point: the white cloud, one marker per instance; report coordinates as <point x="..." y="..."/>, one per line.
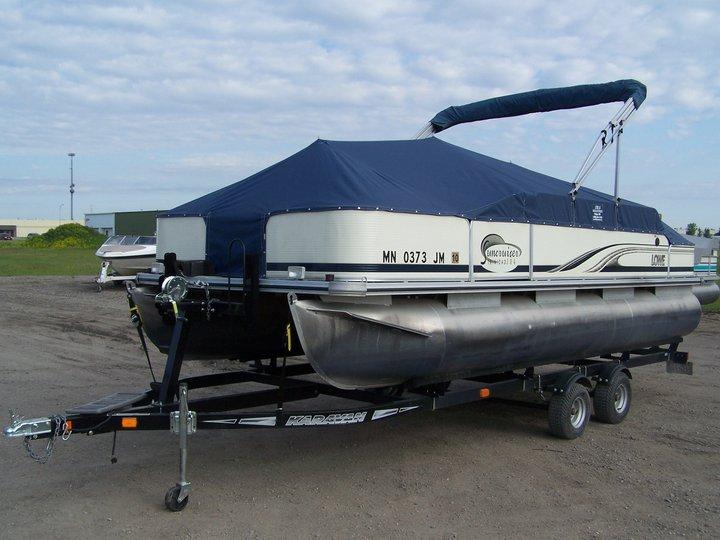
<point x="235" y="86"/>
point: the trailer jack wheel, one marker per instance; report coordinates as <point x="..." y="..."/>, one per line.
<point x="569" y="412"/>
<point x="171" y="499"/>
<point x="183" y="422"/>
<point x="612" y="400"/>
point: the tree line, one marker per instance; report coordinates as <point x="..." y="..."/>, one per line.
<point x="693" y="230"/>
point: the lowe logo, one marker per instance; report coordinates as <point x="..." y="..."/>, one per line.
<point x="326" y="420"/>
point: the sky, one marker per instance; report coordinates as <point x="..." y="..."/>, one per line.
<point x="164" y="102"/>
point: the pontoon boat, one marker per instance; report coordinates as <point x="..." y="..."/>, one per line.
<point x="415" y="261"/>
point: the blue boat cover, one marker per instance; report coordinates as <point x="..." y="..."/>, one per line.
<point x="426" y="176"/>
<point x="544" y="100"/>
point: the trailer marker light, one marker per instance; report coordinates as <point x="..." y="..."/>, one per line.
<point x="68" y="425"/>
<point x="484" y="393"/>
<point x="129" y="422"/>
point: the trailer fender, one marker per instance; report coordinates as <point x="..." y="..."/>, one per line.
<point x="608" y="372"/>
<point x="564" y="382"/>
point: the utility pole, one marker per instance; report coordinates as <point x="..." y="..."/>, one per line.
<point x="72" y="184"/>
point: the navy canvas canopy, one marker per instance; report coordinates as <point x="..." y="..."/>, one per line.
<point x="543" y="100"/>
<point x="426" y="176"/>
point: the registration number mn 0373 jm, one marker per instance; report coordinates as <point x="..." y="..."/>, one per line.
<point x="417" y="257"/>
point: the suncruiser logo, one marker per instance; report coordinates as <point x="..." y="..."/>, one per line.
<point x="499" y="255"/>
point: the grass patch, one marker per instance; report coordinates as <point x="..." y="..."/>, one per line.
<point x="23" y="261"/>
<point x="714" y="307"/>
<point x="13" y="244"/>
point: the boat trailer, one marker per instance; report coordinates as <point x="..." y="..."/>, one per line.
<point x="106" y="276"/>
<point x="167" y="405"/>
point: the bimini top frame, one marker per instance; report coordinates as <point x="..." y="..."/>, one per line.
<point x="632" y="93"/>
<point x="608" y="135"/>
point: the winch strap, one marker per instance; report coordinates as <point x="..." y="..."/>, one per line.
<point x="137" y="322"/>
<point x="145" y="349"/>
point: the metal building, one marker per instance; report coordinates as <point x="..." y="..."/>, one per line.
<point x="140" y="223"/>
<point x="21" y="228"/>
<point x="102" y="223"/>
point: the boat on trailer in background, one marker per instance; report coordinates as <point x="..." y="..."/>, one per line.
<point x="411" y="275"/>
<point x="123" y="256"/>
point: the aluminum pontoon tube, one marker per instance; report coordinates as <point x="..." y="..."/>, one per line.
<point x="360" y="345"/>
<point x="706" y="293"/>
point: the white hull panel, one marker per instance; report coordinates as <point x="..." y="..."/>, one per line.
<point x="385" y="246"/>
<point x="353" y="244"/>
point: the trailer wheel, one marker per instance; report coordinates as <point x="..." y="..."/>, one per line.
<point x="612" y="400"/>
<point x="569" y="412"/>
<point x="171" y="500"/>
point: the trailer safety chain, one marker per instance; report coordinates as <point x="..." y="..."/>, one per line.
<point x="61" y="431"/>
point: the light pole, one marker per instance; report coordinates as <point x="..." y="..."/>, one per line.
<point x="60" y="213"/>
<point x="72" y="185"/>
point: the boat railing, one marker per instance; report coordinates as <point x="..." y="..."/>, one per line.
<point x="707" y="265"/>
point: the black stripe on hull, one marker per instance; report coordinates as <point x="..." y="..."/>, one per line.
<point x="646" y="269"/>
<point x="536" y="268"/>
<point x="449" y="268"/>
<point x="350" y="267"/>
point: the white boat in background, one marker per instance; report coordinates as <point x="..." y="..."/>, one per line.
<point x="124" y="256"/>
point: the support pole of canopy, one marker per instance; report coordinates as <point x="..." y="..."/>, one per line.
<point x="531" y="269"/>
<point x="617" y="164"/>
<point x="613" y="130"/>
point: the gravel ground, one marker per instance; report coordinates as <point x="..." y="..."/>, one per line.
<point x="489" y="468"/>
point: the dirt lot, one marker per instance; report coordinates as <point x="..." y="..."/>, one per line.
<point x="487" y="469"/>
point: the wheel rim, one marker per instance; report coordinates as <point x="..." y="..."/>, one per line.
<point x="578" y="411"/>
<point x="620" y="398"/>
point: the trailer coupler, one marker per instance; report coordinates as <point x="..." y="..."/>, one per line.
<point x="28" y="427"/>
<point x="50" y="428"/>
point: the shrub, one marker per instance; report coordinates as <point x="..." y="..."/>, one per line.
<point x="70" y="235"/>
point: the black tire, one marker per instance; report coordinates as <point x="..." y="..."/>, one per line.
<point x="171" y="500"/>
<point x="569" y="412"/>
<point x="612" y="400"/>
